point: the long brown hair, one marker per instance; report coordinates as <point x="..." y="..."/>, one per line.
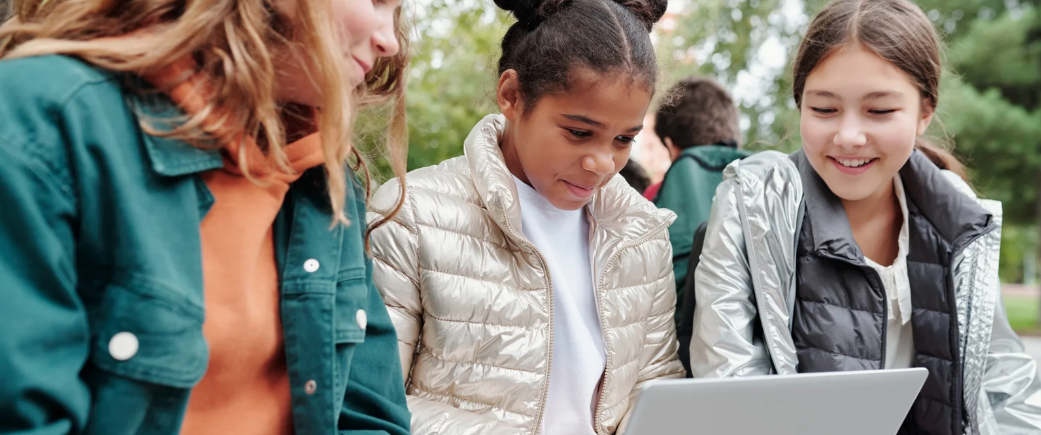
<point x="232" y="40"/>
<point x="895" y="30"/>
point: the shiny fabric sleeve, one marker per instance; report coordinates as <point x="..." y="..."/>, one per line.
<point x="396" y="270"/>
<point x="660" y="346"/>
<point x="1011" y="382"/>
<point x="395" y="250"/>
<point x="724" y="342"/>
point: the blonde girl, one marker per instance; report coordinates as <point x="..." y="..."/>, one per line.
<point x="182" y="237"/>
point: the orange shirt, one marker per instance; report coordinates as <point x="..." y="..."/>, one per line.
<point x="246" y="386"/>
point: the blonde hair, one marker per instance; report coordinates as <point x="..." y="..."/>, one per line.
<point x="232" y="42"/>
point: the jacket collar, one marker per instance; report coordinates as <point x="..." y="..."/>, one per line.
<point x="616" y="207"/>
<point x="170" y="157"/>
<point x="956" y="216"/>
<point x="712" y="157"/>
<point x="946" y="201"/>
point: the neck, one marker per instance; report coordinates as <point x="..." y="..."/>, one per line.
<point x="876" y="222"/>
<point x="508" y="145"/>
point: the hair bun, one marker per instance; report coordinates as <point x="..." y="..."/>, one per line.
<point x="647" y="11"/>
<point x="531" y="12"/>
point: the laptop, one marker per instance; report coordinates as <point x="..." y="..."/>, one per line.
<point x="851" y="403"/>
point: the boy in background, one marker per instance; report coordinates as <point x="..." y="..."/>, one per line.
<point x="698" y="123"/>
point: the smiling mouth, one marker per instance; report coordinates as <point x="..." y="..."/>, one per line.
<point x="365" y="68"/>
<point x="853" y="163"/>
<point x="579" y="191"/>
<point x="580" y="186"/>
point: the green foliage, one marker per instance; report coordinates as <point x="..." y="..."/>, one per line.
<point x="1022" y="314"/>
<point x="743" y="45"/>
<point x="1016" y="243"/>
<point x="452" y="82"/>
<point x="990" y="105"/>
<point x="1000" y="142"/>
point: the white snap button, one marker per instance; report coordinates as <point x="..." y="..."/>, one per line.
<point x="123" y="346"/>
<point x="311" y="266"/>
<point x="362" y="319"/>
<point x="310" y="387"/>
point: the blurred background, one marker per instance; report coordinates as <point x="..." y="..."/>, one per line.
<point x="990" y="105"/>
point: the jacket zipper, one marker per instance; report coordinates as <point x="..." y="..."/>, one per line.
<point x="549" y="282"/>
<point x="597" y="421"/>
<point x="885" y="306"/>
<point x="603" y="329"/>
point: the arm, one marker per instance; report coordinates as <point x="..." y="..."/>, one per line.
<point x="1011" y="381"/>
<point x="395" y="249"/>
<point x="660" y="345"/>
<point x="724" y="342"/>
<point x="45" y="339"/>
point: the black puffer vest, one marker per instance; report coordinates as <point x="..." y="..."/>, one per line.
<point x="839" y="322"/>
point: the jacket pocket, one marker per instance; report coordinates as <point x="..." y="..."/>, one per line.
<point x="149" y="335"/>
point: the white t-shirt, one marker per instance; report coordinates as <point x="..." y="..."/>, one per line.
<point x="899" y="334"/>
<point x="562" y="236"/>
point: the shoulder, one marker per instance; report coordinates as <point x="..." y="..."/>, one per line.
<point x="762" y="165"/>
<point x="50" y="99"/>
<point x="991" y="206"/>
<point x="52" y="105"/>
<point x="438" y="187"/>
<point x="51" y="80"/>
<point x="627" y="212"/>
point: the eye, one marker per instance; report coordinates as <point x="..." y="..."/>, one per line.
<point x="823" y="111"/>
<point x="579" y="134"/>
<point x="627" y="140"/>
<point x="881" y="112"/>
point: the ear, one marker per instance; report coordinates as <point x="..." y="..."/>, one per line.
<point x="674" y="152"/>
<point x="508" y="95"/>
<point x="926" y="118"/>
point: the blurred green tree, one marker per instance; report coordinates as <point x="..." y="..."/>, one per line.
<point x="990" y="105"/>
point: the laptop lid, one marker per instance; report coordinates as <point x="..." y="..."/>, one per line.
<point x="851" y="403"/>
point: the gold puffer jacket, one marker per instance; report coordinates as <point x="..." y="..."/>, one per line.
<point x="471" y="297"/>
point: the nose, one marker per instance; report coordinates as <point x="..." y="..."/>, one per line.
<point x="600" y="162"/>
<point x="385" y="39"/>
<point x="851" y="132"/>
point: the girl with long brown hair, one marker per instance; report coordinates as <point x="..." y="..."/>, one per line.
<point x="865" y="250"/>
<point x="182" y="241"/>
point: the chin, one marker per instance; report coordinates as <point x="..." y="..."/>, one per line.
<point x="570" y="205"/>
<point x="851" y="194"/>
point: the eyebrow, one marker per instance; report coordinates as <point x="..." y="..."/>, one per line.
<point x="585" y="120"/>
<point x="881" y="94"/>
<point x="872" y="96"/>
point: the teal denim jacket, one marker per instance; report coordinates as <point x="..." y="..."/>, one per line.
<point x="99" y="236"/>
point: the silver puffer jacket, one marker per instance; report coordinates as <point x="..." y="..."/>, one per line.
<point x="747" y="270"/>
<point x="471" y="297"/>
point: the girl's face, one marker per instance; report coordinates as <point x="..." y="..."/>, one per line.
<point x="859" y="119"/>
<point x="571" y="144"/>
<point x="365" y="31"/>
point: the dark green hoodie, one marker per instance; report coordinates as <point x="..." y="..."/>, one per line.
<point x="688" y="189"/>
